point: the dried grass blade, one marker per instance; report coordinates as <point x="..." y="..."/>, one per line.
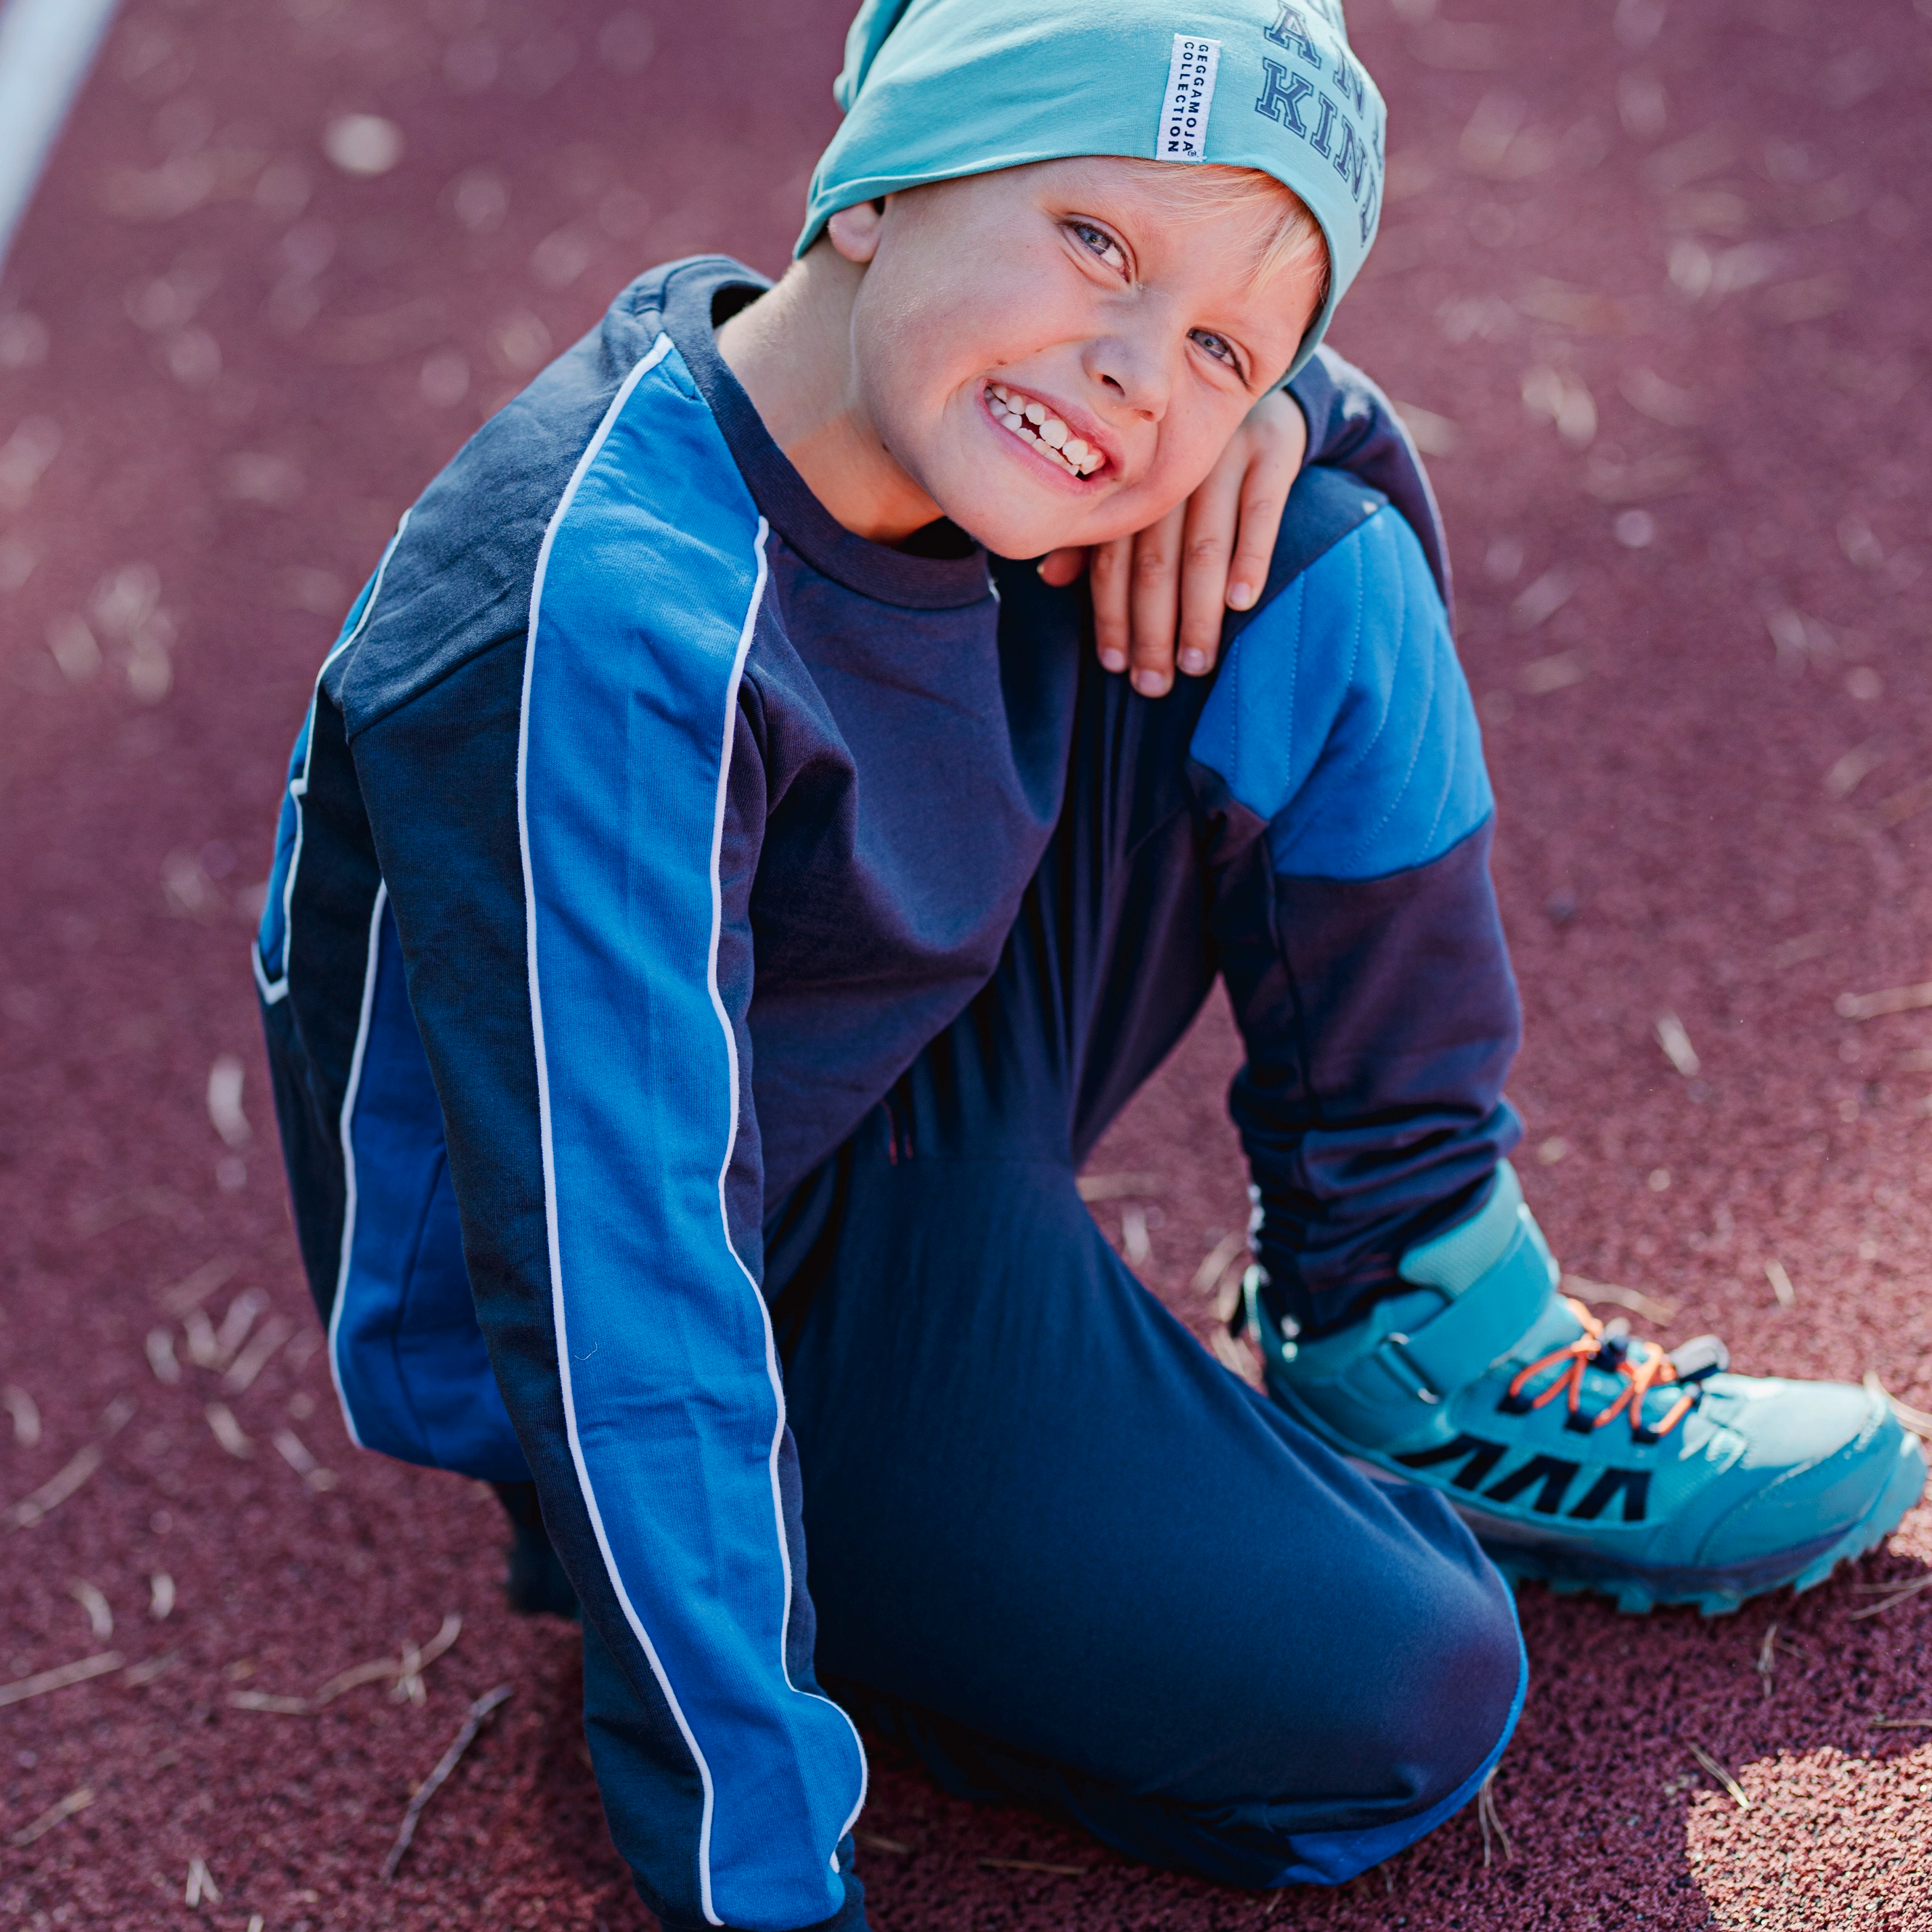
<point x="1893" y="999"/>
<point x="54" y="1491"/>
<point x="203" y="1350"/>
<point x="99" y="1611"/>
<point x="1233" y="1357"/>
<point x="250" y="1362"/>
<point x="1897" y="1596"/>
<point x="54" y="1814"/>
<point x="1710" y="1764"/>
<point x="240" y="1318"/>
<point x="409" y="1685"/>
<point x="480" y="1713"/>
<point x="1118" y="1186"/>
<point x="1207" y="1275"/>
<point x="228" y="1431"/>
<point x="204" y="1280"/>
<point x="161" y="1356"/>
<point x="1916" y="1420"/>
<point x="451" y="1629"/>
<point x="1491" y="1819"/>
<point x="353" y="1678"/>
<point x="25" y="1413"/>
<point x="1034" y="1865"/>
<point x="295" y="1452"/>
<point x="414" y="1659"/>
<point x="1662" y="1312"/>
<point x="263" y="1700"/>
<point x="60" y="1678"/>
<point x="1902" y="1723"/>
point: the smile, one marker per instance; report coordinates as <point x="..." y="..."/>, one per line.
<point x="1033" y="422"/>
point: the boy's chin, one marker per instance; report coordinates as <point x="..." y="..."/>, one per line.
<point x="1017" y="526"/>
<point x="1001" y="532"/>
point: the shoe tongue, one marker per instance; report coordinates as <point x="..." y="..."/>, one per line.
<point x="1555" y="1327"/>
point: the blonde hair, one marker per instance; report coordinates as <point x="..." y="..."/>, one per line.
<point x="1288" y="236"/>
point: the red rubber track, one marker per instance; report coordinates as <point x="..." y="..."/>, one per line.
<point x="1706" y="227"/>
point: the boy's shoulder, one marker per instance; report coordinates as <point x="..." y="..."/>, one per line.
<point x="1340" y="716"/>
<point x="458" y="579"/>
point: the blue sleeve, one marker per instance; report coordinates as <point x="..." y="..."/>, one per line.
<point x="1353" y="426"/>
<point x="1363" y="948"/>
<point x="568" y="825"/>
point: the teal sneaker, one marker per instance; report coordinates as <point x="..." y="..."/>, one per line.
<point x="1580" y="1457"/>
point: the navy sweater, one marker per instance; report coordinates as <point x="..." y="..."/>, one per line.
<point x="645" y="825"/>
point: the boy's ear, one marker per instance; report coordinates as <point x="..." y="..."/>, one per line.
<point x="854" y="231"/>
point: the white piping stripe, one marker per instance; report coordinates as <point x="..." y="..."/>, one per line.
<point x="731" y="1140"/>
<point x="274" y="990"/>
<point x="659" y="349"/>
<point x="348" y="1130"/>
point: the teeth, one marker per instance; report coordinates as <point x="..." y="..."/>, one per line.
<point x="1032" y="423"/>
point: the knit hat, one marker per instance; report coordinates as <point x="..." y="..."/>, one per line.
<point x="934" y="89"/>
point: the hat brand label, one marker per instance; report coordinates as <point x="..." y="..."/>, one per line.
<point x="1190" y="96"/>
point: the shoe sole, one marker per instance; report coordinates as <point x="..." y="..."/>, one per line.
<point x="1716" y="1593"/>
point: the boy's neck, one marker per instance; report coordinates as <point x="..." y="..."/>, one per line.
<point x="791" y="351"/>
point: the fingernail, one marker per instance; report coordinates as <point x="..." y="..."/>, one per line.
<point x="1149" y="683"/>
<point x="1240" y="596"/>
<point x="1194" y="662"/>
<point x="1113" y="661"/>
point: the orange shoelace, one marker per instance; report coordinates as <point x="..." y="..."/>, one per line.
<point x="1609" y="1348"/>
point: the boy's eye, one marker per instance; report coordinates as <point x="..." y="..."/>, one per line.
<point x="1102" y="243"/>
<point x="1218" y="346"/>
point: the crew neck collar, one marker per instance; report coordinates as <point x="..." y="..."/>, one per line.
<point x="694" y="297"/>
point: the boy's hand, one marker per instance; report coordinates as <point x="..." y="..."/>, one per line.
<point x="1209" y="555"/>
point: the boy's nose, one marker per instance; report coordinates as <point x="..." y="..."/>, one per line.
<point x="1133" y="374"/>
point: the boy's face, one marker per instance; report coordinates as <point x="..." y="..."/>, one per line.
<point x="1072" y="296"/>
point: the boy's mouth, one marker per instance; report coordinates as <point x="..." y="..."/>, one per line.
<point x="1033" y="422"/>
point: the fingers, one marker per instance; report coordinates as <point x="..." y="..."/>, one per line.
<point x="1154" y="600"/>
<point x="1060" y="568"/>
<point x="1277" y="432"/>
<point x="1109" y="568"/>
<point x="1264" y="496"/>
<point x="1159" y="597"/>
<point x="1208" y="546"/>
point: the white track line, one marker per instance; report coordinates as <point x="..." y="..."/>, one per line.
<point x="46" y="47"/>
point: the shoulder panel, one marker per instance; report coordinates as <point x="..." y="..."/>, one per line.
<point x="459" y="580"/>
<point x="1341" y="716"/>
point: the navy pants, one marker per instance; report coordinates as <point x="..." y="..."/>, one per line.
<point x="1055" y="1545"/>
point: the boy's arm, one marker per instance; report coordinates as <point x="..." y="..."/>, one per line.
<point x="1361" y="943"/>
<point x="1160" y="596"/>
<point x="570" y="860"/>
<point x="1353" y="426"/>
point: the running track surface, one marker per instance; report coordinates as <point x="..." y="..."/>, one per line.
<point x="1666" y="267"/>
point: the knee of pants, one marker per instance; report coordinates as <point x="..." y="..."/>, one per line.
<point x="1436" y="1686"/>
<point x="1401" y="1743"/>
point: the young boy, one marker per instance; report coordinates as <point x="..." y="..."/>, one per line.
<point x="717" y="909"/>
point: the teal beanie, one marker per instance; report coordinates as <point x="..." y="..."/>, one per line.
<point x="933" y="89"/>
